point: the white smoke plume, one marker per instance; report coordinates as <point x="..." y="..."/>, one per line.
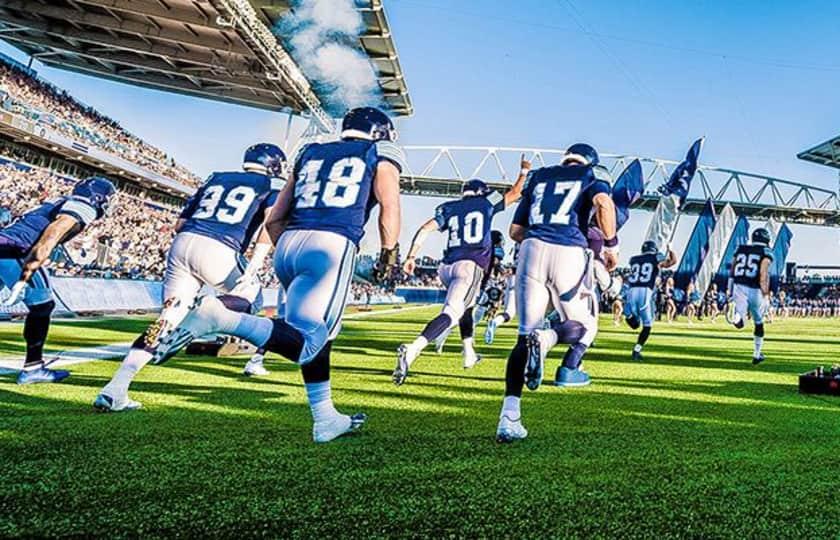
<point x="323" y="38"/>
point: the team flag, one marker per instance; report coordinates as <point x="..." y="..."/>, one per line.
<point x="680" y="181"/>
<point x="696" y="248"/>
<point x="780" y="253"/>
<point x="627" y="189"/>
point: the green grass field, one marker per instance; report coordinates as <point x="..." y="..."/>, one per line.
<point x="695" y="442"/>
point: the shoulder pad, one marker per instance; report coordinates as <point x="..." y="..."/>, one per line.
<point x="601" y="173"/>
<point x="393" y="153"/>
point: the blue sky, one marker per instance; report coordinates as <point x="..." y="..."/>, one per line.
<point x="758" y="79"/>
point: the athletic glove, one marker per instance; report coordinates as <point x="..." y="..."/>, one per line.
<point x="386" y="263"/>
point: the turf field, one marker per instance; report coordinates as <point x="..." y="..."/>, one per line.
<point x="695" y="442"/>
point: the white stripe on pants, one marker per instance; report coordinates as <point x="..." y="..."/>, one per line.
<point x="315" y="268"/>
<point x="548" y="272"/>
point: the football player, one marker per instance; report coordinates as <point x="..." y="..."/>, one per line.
<point x="26" y="245"/>
<point x="467" y="256"/>
<point x="556" y="266"/>
<point x="641" y="279"/>
<point x="750" y="286"/>
<point x="316" y="224"/>
<point x="215" y="227"/>
<point x="508" y="301"/>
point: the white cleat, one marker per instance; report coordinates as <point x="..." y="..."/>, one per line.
<point x="490" y="332"/>
<point x="255" y="367"/>
<point x="106" y="403"/>
<point x="471" y="358"/>
<point x="204" y="318"/>
<point x="335" y="427"/>
<point x="510" y="430"/>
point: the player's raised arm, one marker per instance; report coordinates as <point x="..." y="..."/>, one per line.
<point x="515" y="191"/>
<point x="605" y="217"/>
<point x="417" y="244"/>
<point x="42" y="250"/>
<point x="670" y="260"/>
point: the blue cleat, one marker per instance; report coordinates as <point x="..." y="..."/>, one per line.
<point x="42" y="375"/>
<point x="637" y="356"/>
<point x="572" y="377"/>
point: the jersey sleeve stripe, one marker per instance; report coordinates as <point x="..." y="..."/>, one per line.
<point x="393" y="153"/>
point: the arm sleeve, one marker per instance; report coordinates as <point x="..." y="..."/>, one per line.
<point x="391" y="152"/>
<point x="192" y="202"/>
<point x="520" y="217"/>
<point x="497" y="201"/>
<point x="598" y="186"/>
<point x="440" y="217"/>
<point x="81" y="211"/>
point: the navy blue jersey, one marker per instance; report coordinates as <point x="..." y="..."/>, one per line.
<point x="29" y="227"/>
<point x="644" y="269"/>
<point x="468" y="222"/>
<point x="746" y="264"/>
<point x="334" y="185"/>
<point x="230" y="206"/>
<point x="557" y="203"/>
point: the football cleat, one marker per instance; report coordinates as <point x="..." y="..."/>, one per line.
<point x="490" y="332"/>
<point x="471" y="358"/>
<point x="106" y="403"/>
<point x="535" y="362"/>
<point x="255" y="367"/>
<point x="404" y="359"/>
<point x="201" y="320"/>
<point x="758" y="359"/>
<point x="571" y="377"/>
<point x="335" y="427"/>
<point x="509" y="430"/>
<point x="42" y="375"/>
<point x="637" y="356"/>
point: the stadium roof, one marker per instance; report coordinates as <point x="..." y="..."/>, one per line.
<point x="218" y="49"/>
<point x="827" y="153"/>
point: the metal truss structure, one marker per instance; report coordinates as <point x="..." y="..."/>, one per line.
<point x="441" y="170"/>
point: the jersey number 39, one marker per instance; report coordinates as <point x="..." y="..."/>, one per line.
<point x="231" y="210"/>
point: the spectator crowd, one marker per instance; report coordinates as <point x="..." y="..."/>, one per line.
<point x="24" y="94"/>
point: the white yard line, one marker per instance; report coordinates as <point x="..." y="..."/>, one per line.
<point x="69" y="357"/>
<point x="384" y="312"/>
<point x="12" y="364"/>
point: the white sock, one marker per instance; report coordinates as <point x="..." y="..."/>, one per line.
<point x="637" y="348"/>
<point x="510" y="407"/>
<point x="468" y="345"/>
<point x="320" y="400"/>
<point x="498" y="319"/>
<point x="131" y="364"/>
<point x="759" y="341"/>
<point x="419" y="344"/>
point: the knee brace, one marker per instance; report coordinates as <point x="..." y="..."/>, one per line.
<point x="759" y="330"/>
<point x="632" y="322"/>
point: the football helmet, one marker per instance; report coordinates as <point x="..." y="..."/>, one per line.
<point x="368" y="123"/>
<point x="761" y="236"/>
<point x="649" y="246"/>
<point x="497" y="238"/>
<point x="583" y="154"/>
<point x="97" y="191"/>
<point x="265" y="157"/>
<point x="474" y="188"/>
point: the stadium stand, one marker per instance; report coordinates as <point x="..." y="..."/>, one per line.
<point x="25" y="94"/>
